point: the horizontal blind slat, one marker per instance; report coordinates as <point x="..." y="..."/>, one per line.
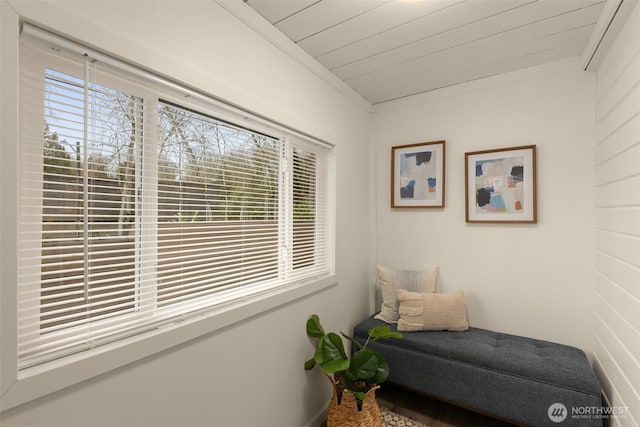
<point x="134" y="228"/>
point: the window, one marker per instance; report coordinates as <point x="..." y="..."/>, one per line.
<point x="143" y="203"/>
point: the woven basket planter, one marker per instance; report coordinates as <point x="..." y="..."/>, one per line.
<point x="346" y="414"/>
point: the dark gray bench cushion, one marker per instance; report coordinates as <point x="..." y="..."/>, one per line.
<point x="507" y="376"/>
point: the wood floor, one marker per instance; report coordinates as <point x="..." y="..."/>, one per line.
<point x="431" y="412"/>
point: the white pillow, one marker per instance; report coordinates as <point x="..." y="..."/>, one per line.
<point x="432" y="312"/>
<point x="392" y="280"/>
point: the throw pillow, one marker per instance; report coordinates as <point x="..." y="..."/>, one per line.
<point x="432" y="312"/>
<point x="392" y="280"/>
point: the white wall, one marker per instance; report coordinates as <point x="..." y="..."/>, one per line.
<point x="532" y="280"/>
<point x="617" y="223"/>
<point x="249" y="374"/>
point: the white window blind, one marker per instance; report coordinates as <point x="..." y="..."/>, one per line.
<point x="218" y="200"/>
<point x="142" y="206"/>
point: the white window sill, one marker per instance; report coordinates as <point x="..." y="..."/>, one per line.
<point x="39" y="381"/>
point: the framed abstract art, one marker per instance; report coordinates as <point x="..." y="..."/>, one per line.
<point x="417" y="175"/>
<point x="501" y="185"/>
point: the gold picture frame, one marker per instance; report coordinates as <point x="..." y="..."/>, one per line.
<point x="500" y="185"/>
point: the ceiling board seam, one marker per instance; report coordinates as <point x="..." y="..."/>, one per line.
<point x="295" y="13"/>
<point x="342" y="22"/>
<point x="420" y="92"/>
<point x="567" y="30"/>
<point x="388" y="53"/>
<point x="470" y="85"/>
<point x="391" y="28"/>
<point x="470" y="80"/>
<point x="488" y="74"/>
<point x="537" y="52"/>
<point x="433" y="35"/>
<point x="455" y="46"/>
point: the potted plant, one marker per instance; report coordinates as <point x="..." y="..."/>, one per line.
<point x="359" y="375"/>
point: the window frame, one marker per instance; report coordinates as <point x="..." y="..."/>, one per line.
<point x="21" y="386"/>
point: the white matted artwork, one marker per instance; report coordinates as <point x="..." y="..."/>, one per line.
<point x="418" y="175"/>
<point x="501" y="185"/>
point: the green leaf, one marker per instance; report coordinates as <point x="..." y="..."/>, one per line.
<point x="314" y="328"/>
<point x="383" y="332"/>
<point x="337" y="342"/>
<point x="329" y="350"/>
<point x="360" y="395"/>
<point x="369" y="366"/>
<point x="364" y="365"/>
<point x="309" y="364"/>
<point x="382" y="371"/>
<point x="334" y="366"/>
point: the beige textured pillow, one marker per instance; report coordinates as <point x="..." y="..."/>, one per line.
<point x="432" y="312"/>
<point x="392" y="280"/>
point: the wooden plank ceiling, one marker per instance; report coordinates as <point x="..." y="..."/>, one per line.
<point x="389" y="49"/>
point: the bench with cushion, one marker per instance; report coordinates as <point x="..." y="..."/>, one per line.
<point x="506" y="376"/>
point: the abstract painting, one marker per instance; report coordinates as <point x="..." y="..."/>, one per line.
<point x="417" y="175"/>
<point x="501" y="185"/>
